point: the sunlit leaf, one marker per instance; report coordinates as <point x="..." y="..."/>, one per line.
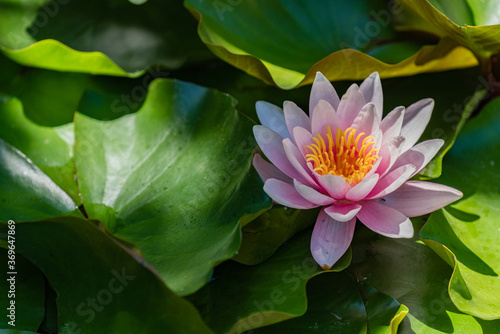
<point x="466" y="235"/>
<point x="173" y="178"/>
<point x="317" y="36"/>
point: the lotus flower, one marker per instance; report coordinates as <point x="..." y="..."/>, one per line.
<point x="348" y="160"/>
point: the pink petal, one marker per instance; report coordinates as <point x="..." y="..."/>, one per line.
<point x="312" y="195"/>
<point x="298" y="162"/>
<point x="360" y="190"/>
<point x="419" y="155"/>
<point x="385" y="220"/>
<point x="324" y="115"/>
<point x="267" y="170"/>
<point x="322" y="89"/>
<point x="391" y="181"/>
<point x="271" y="144"/>
<point x="335" y="185"/>
<point x="302" y="138"/>
<point x="272" y="117"/>
<point x="372" y="91"/>
<point x="389" y="153"/>
<point x="367" y="120"/>
<point x="330" y="239"/>
<point x="343" y="212"/>
<point x="391" y="124"/>
<point x="416" y="118"/>
<point x="285" y="194"/>
<point x="417" y="198"/>
<point x="350" y="105"/>
<point x="294" y="116"/>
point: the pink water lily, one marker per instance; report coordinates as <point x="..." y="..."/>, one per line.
<point x="348" y="160"/>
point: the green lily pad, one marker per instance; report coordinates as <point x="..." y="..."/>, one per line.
<point x="121" y="294"/>
<point x="174" y="178"/>
<point x="384" y="312"/>
<point x="270" y="292"/>
<point x="50" y="98"/>
<point x="473" y="24"/>
<point x="51" y="149"/>
<point x="335" y="306"/>
<point x="411" y="273"/>
<point x="465" y="235"/>
<point x="106" y="37"/>
<point x="24" y="285"/>
<point x="316" y="36"/>
<point x="26" y="193"/>
<point x="263" y="235"/>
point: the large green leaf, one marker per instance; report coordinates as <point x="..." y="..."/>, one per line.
<point x="264" y="294"/>
<point x="334" y="306"/>
<point x="411" y="273"/>
<point x="106" y="37"/>
<point x="26" y="193"/>
<point x="336" y="38"/>
<point x="173" y="178"/>
<point x="263" y="236"/>
<point x="474" y="24"/>
<point x="23" y="284"/>
<point x="51" y="149"/>
<point x="101" y="287"/>
<point x="466" y="235"/>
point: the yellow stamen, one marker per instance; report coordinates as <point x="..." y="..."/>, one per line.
<point x="343" y="155"/>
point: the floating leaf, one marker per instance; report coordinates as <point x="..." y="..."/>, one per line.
<point x="26" y="193"/>
<point x="172" y="178"/>
<point x="264" y="294"/>
<point x="466" y="234"/>
<point x="51" y="149"/>
<point x="316" y="36"/>
<point x="470" y="23"/>
<point x="415" y="276"/>
<point x="263" y="236"/>
<point x="106" y="37"/>
<point x="334" y="306"/>
<point x="24" y="285"/>
<point x="120" y="295"/>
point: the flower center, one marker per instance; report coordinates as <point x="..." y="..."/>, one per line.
<point x="344" y="156"/>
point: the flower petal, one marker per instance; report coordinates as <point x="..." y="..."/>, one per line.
<point x="350" y="105"/>
<point x="391" y="181"/>
<point x="302" y="138"/>
<point x="389" y="153"/>
<point x="298" y="162"/>
<point x="343" y="212"/>
<point x="324" y="115"/>
<point x="330" y="239"/>
<point x="294" y="116"/>
<point x="367" y="120"/>
<point x="416" y="118"/>
<point x="372" y="91"/>
<point x="285" y="194"/>
<point x="360" y="190"/>
<point x="419" y="155"/>
<point x="385" y="220"/>
<point x="312" y="195"/>
<point x="271" y="144"/>
<point x="267" y="170"/>
<point x="335" y="185"/>
<point x="391" y="124"/>
<point x="416" y="198"/>
<point x="272" y="117"/>
<point x="322" y="89"/>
